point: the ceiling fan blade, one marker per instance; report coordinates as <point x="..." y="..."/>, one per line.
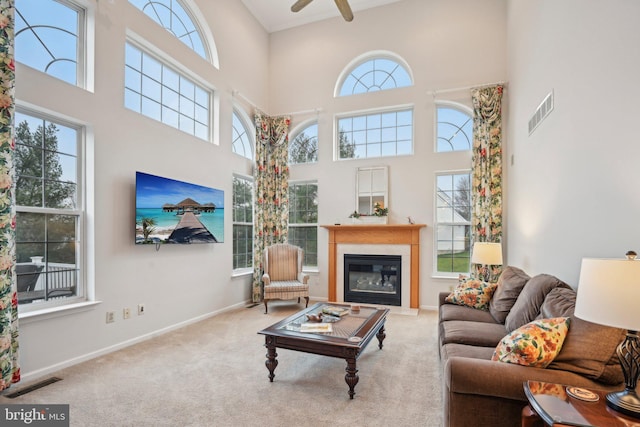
<point x="345" y="9"/>
<point x="297" y="6"/>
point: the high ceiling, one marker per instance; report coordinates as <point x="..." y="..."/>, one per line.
<point x="276" y="15"/>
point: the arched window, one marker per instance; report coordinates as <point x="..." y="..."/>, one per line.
<point x="303" y="148"/>
<point x="173" y="16"/>
<point x="455" y="128"/>
<point x="48" y="38"/>
<point x="376" y="71"/>
<point x="242" y="142"/>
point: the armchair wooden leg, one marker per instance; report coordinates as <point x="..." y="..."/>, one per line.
<point x="307" y="303"/>
<point x="265" y="306"/>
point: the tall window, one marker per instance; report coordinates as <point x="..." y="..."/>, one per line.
<point x="172" y="15"/>
<point x="155" y="90"/>
<point x="241" y="141"/>
<point x="303" y="148"/>
<point x="48" y="38"/>
<point x="455" y="129"/>
<point x="303" y="219"/>
<point x="242" y="222"/>
<point x="49" y="209"/>
<point x="453" y="222"/>
<point x="372" y="75"/>
<point x="388" y="133"/>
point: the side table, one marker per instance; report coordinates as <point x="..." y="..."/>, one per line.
<point x="551" y="404"/>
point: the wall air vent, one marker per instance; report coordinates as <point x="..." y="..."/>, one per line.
<point x="543" y="110"/>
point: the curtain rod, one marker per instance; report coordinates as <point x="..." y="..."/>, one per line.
<point x="298" y="113"/>
<point x="458" y="89"/>
<point x="238" y="94"/>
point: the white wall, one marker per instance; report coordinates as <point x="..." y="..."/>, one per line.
<point x="177" y="283"/>
<point x="446" y="44"/>
<point x="572" y="188"/>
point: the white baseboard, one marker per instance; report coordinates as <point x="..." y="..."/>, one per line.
<point x="31" y="376"/>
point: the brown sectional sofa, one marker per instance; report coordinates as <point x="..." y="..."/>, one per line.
<point x="480" y="392"/>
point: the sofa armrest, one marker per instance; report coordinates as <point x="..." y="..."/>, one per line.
<point x="266" y="279"/>
<point x="465" y="375"/>
<point x="441" y="298"/>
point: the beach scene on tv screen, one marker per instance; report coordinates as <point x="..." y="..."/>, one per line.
<point x="171" y="211"/>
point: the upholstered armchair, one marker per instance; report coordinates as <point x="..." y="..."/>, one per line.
<point x="283" y="277"/>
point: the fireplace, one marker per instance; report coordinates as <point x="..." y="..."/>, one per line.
<point x="373" y="279"/>
<point x="376" y="239"/>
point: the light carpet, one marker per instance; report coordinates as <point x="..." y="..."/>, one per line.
<point x="212" y="373"/>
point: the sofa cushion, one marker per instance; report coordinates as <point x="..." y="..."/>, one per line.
<point x="559" y="302"/>
<point x="472" y="293"/>
<point x="510" y="284"/>
<point x="471" y="333"/>
<point x="534" y="344"/>
<point x="463" y="350"/>
<point x="527" y="306"/>
<point x="460" y="312"/>
<point x="590" y="350"/>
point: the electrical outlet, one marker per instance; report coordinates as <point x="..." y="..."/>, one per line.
<point x="111" y="316"/>
<point x="141" y="309"/>
<point x="126" y="313"/>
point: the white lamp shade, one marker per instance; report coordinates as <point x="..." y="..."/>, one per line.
<point x="487" y="253"/>
<point x="609" y="292"/>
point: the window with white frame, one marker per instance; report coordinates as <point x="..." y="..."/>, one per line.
<point x="242" y="222"/>
<point x="385" y="133"/>
<point x="303" y="219"/>
<point x="453" y="222"/>
<point x="303" y="147"/>
<point x="454" y="129"/>
<point x="49" y="209"/>
<point x="49" y="36"/>
<point x="155" y="90"/>
<point x="375" y="74"/>
<point x="242" y="142"/>
<point x="173" y="16"/>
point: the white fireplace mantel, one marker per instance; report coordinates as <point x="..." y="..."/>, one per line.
<point x="376" y="234"/>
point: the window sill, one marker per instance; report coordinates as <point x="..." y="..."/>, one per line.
<point x="52" y="312"/>
<point x="448" y="277"/>
<point x="242" y="272"/>
<point x="311" y="270"/>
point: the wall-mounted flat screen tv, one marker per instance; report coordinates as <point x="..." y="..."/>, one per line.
<point x="170" y="211"/>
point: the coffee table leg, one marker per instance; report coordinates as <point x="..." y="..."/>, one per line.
<point x="271" y="361"/>
<point x="351" y="377"/>
<point x="381" y="336"/>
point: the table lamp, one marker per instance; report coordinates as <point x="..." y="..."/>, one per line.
<point x="608" y="294"/>
<point x="487" y="253"/>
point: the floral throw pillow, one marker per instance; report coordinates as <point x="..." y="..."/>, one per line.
<point x="472" y="293"/>
<point x="534" y="344"/>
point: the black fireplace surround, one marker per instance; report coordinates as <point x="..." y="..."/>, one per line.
<point x="373" y="279"/>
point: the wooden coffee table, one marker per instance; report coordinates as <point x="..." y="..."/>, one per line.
<point x="349" y="337"/>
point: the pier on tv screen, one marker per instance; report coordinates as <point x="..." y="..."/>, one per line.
<point x="170" y="211"/>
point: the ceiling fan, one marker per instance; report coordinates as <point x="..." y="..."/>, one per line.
<point x="343" y="6"/>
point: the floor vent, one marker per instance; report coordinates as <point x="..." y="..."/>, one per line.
<point x="33" y="387"/>
<point x="542" y="111"/>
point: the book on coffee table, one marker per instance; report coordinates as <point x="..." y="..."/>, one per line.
<point x="316" y="327"/>
<point x="335" y="311"/>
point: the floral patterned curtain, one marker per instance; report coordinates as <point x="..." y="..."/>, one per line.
<point x="9" y="368"/>
<point x="271" y="177"/>
<point x="486" y="196"/>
